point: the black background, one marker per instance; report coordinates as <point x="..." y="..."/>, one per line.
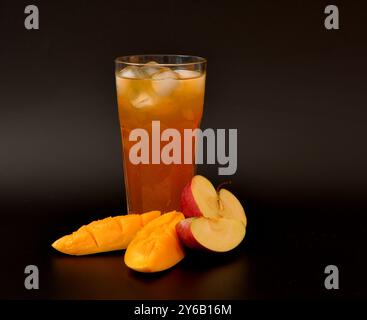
<point x="295" y="91"/>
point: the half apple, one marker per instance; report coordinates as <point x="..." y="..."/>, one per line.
<point x="216" y="220"/>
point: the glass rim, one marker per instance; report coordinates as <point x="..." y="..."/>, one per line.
<point x="125" y="60"/>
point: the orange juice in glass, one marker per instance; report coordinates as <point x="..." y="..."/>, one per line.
<point x="165" y="88"/>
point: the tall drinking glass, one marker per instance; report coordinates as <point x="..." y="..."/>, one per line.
<point x="155" y="93"/>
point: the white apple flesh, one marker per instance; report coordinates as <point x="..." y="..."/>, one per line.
<point x="230" y="207"/>
<point x="199" y="198"/>
<point x="214" y="235"/>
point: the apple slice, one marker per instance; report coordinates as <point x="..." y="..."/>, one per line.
<point x="216" y="220"/>
<point x="218" y="235"/>
<point x="199" y="198"/>
<point x="183" y="229"/>
<point x="230" y="207"/>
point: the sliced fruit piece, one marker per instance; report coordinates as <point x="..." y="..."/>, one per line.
<point x="109" y="234"/>
<point x="230" y="207"/>
<point x="149" y="216"/>
<point x="185" y="235"/>
<point x="219" y="235"/>
<point x="199" y="198"/>
<point x="156" y="246"/>
<point x="217" y="219"/>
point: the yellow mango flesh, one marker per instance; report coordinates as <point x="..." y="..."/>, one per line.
<point x="156" y="246"/>
<point x="113" y="233"/>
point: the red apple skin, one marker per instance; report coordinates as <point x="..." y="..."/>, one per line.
<point x="183" y="229"/>
<point x="188" y="204"/>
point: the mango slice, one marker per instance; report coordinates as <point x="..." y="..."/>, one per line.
<point x="113" y="233"/>
<point x="156" y="246"/>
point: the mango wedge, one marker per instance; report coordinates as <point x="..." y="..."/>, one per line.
<point x="156" y="246"/>
<point x="113" y="233"/>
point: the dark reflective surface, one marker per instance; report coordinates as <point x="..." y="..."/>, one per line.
<point x="280" y="258"/>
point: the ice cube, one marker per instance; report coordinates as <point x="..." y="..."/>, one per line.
<point x="165" y="81"/>
<point x="132" y="72"/>
<point x="187" y="74"/>
<point x="150" y="68"/>
<point x="142" y="100"/>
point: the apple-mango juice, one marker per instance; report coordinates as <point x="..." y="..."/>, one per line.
<point x="173" y="97"/>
